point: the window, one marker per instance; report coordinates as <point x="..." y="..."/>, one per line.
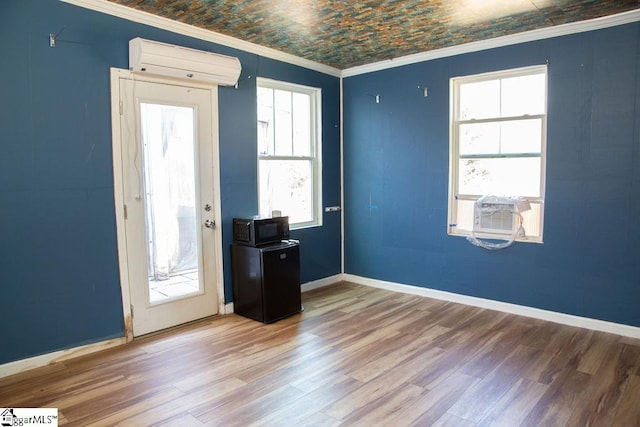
<point x="289" y="164"/>
<point x="498" y="139"/>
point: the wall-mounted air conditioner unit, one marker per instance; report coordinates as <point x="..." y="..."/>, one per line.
<point x="175" y="61"/>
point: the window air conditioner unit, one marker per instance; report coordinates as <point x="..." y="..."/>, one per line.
<point x="496" y="218"/>
<point x="498" y="215"/>
<point x="176" y="61"/>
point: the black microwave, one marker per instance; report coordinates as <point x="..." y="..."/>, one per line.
<point x="260" y="231"/>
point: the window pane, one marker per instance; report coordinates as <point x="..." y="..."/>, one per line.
<point x="531" y="220"/>
<point x="512" y="137"/>
<point x="287" y="185"/>
<point x="508" y="177"/>
<point x="523" y="95"/>
<point x="480" y="100"/>
<point x="283" y="125"/>
<point x="301" y="124"/>
<point x="465" y="215"/>
<point x="480" y="138"/>
<point x="521" y="136"/>
<point x="265" y="103"/>
<point x="265" y="121"/>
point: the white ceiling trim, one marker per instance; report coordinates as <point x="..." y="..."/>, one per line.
<point x="141" y="17"/>
<point x="527" y="36"/>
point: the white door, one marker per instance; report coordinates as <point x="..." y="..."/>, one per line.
<point x="168" y="134"/>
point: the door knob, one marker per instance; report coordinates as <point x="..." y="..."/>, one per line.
<point x="210" y="223"/>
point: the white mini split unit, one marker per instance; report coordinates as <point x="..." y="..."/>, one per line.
<point x="175" y="61"/>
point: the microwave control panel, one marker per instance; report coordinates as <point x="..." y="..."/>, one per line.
<point x="241" y="231"/>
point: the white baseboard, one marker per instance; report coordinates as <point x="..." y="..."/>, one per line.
<point x="320" y="283"/>
<point x="57" y="356"/>
<point x="228" y="308"/>
<point x="536" y="313"/>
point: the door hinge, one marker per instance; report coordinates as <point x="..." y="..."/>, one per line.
<point x="121" y="108"/>
<point x="126" y="215"/>
<point x="131" y="305"/>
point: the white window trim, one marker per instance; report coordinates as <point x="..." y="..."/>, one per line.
<point x="454" y="151"/>
<point x="316" y="145"/>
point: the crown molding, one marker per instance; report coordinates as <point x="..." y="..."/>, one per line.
<point x="146" y="18"/>
<point x="527" y="36"/>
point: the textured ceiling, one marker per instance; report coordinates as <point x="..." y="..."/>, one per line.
<point x="344" y="33"/>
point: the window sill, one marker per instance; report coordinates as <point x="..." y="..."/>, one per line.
<point x="465" y="233"/>
<point x="304" y="225"/>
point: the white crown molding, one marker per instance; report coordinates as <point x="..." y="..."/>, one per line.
<point x="141" y="17"/>
<point x="527" y="36"/>
<point x="520" y="310"/>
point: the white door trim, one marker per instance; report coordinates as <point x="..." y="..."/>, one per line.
<point x="118" y="191"/>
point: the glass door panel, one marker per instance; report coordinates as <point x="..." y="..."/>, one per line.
<point x="170" y="199"/>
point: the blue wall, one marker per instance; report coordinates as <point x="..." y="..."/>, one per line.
<point x="59" y="276"/>
<point x="396" y="180"/>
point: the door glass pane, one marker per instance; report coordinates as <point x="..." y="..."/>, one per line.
<point x="170" y="200"/>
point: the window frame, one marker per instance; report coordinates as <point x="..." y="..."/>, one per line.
<point x="455" y="156"/>
<point x="315" y="156"/>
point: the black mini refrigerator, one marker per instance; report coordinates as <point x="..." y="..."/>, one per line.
<point x="266" y="281"/>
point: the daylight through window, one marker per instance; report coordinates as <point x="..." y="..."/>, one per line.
<point x="498" y="140"/>
<point x="289" y="152"/>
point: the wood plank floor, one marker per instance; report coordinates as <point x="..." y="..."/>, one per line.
<point x="356" y="356"/>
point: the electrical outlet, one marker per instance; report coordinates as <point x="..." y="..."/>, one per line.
<point x="332" y="208"/>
